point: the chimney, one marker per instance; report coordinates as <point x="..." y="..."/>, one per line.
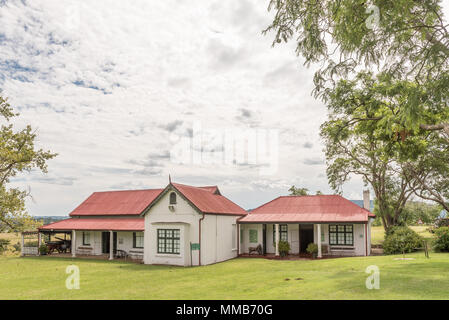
<point x="366" y="201"/>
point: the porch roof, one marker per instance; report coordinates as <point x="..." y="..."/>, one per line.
<point x="308" y="209"/>
<point x="113" y="224"/>
<point x="302" y="218"/>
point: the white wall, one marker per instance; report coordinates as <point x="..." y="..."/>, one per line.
<point x="96" y="242"/>
<point x="244" y="239"/>
<point x="217" y="242"/>
<point x="216" y="233"/>
<point x="293" y="239"/>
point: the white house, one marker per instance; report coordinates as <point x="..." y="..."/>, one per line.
<point x="190" y="226"/>
<point x="179" y="225"/>
<point x="337" y="225"/>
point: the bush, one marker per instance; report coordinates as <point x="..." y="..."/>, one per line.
<point x="442" y="222"/>
<point x="401" y="240"/>
<point x="441" y="242"/>
<point x="3" y="245"/>
<point x="284" y="248"/>
<point x="312" y="248"/>
<point x="43" y="250"/>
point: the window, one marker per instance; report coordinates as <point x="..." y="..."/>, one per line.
<point x="86" y="238"/>
<point x="283" y="232"/>
<point x="168" y="241"/>
<point x="241" y="235"/>
<point x="341" y="235"/>
<point x="137" y="239"/>
<point x="253" y="238"/>
<point x="172" y="198"/>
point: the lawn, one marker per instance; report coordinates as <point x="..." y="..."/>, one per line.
<point x="339" y="278"/>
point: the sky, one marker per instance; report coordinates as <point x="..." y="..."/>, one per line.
<point x="119" y="89"/>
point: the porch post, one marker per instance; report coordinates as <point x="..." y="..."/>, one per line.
<point x="277" y="239"/>
<point x="22" y="245"/>
<point x="111" y="245"/>
<point x="319" y="240"/>
<point x="73" y="243"/>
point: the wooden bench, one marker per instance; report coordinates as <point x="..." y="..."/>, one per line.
<point x="257" y="249"/>
<point x="137" y="255"/>
<point x="84" y="250"/>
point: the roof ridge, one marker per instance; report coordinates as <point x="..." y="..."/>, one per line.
<point x="128" y="190"/>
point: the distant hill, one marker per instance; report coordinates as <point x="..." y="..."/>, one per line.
<point x="360" y="204"/>
<point x="49" y="219"/>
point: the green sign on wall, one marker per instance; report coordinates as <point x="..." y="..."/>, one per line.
<point x="253" y="236"/>
<point x="194" y="246"/>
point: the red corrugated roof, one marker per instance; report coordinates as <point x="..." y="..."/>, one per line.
<point x="319" y="208"/>
<point x="128" y="202"/>
<point x="114" y="224"/>
<point x="207" y="200"/>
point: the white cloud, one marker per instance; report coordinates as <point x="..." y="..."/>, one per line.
<point x="106" y="82"/>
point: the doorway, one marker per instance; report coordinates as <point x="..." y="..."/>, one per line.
<point x="305" y="236"/>
<point x="105" y="242"/>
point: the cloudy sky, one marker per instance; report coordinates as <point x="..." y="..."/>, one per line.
<point x="114" y="86"/>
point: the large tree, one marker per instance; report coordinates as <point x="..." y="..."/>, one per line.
<point x="407" y="40"/>
<point x="17" y="154"/>
<point x="363" y="137"/>
<point x="404" y="108"/>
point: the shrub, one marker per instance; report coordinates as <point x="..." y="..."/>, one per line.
<point x="3" y="245"/>
<point x="16" y="246"/>
<point x="312" y="248"/>
<point x="284" y="248"/>
<point x="43" y="249"/>
<point x="442" y="222"/>
<point x="441" y="242"/>
<point x="401" y="240"/>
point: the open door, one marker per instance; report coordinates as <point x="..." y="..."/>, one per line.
<point x="305" y="236"/>
<point x="105" y="242"/>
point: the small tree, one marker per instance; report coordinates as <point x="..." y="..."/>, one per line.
<point x="298" y="191"/>
<point x="17" y="154"/>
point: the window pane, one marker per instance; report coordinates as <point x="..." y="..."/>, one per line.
<point x="348" y="238"/>
<point x="341" y="238"/>
<point x="332" y="228"/>
<point x="341" y="228"/>
<point x="348" y="228"/>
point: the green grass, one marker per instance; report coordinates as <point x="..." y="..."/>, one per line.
<point x="340" y="278"/>
<point x="378" y="233"/>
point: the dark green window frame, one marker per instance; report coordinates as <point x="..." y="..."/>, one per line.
<point x="135" y="236"/>
<point x="341" y="235"/>
<point x="85" y="241"/>
<point x="283" y="232"/>
<point x="168" y="241"/>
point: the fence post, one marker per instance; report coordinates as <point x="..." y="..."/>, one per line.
<point x="22" y="244"/>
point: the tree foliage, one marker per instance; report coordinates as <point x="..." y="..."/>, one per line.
<point x="407" y="40"/>
<point x="298" y="191"/>
<point x="17" y="154"/>
<point x="391" y="128"/>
